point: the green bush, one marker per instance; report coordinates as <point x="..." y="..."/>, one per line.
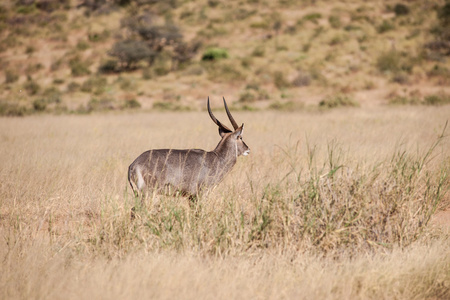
<point x="109" y="66"/>
<point x="247" y="96"/>
<point x="73" y="87"/>
<point x="82" y="45"/>
<point x="39" y="105"/>
<point x="170" y="106"/>
<point x="280" y="80"/>
<point x="32" y="87"/>
<point x="99" y="36"/>
<point x="52" y="95"/>
<point x="313" y="17"/>
<point x="95" y="85"/>
<point x="11" y="76"/>
<point x="437" y="99"/>
<point x="214" y="54"/>
<point x="339" y="100"/>
<point x="79" y="67"/>
<point x="131" y="104"/>
<point x="401" y="9"/>
<point x="385" y="26"/>
<point x="259" y="51"/>
<point x="286" y="105"/>
<point x="405" y="100"/>
<point x="335" y="21"/>
<point x="389" y="61"/>
<point x="12" y="109"/>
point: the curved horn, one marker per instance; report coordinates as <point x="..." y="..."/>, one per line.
<point x="233" y="122"/>
<point x="215" y="120"/>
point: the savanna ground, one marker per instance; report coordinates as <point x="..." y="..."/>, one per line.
<point x="336" y="204"/>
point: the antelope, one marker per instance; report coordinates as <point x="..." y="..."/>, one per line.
<point x="188" y="171"/>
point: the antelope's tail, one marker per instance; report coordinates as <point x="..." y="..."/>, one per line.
<point x="131" y="183"/>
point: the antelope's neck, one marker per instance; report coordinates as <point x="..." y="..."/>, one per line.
<point x="226" y="153"/>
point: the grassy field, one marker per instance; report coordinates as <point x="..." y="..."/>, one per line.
<point x="63" y="57"/>
<point x="333" y="204"/>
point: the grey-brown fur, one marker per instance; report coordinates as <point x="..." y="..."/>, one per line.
<point x="188" y="171"/>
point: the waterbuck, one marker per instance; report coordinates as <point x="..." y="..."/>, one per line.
<point x="188" y="171"/>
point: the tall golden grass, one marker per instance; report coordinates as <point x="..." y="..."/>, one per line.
<point x="331" y="204"/>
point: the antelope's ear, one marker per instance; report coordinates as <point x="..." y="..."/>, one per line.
<point x="222" y="131"/>
<point x="239" y="131"/>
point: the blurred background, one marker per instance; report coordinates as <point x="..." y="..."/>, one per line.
<point x="74" y="56"/>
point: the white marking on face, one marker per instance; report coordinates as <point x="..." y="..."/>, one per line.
<point x="247" y="152"/>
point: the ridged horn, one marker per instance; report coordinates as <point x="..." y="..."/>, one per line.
<point x="217" y="122"/>
<point x="233" y="122"/>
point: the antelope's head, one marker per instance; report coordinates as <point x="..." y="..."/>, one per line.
<point x="231" y="139"/>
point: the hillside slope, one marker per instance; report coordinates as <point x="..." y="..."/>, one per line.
<point x="60" y="56"/>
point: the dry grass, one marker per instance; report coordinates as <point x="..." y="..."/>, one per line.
<point x="328" y="205"/>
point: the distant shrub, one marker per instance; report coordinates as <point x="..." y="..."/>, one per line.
<point x="149" y="40"/>
<point x="30" y="49"/>
<point x="247" y="96"/>
<point x="302" y="79"/>
<point x="12" y="109"/>
<point x="260" y="25"/>
<point x="129" y="53"/>
<point x="313" y="17"/>
<point x="441" y="45"/>
<point x="335" y="21"/>
<point x="82" y="45"/>
<point x="102" y="104"/>
<point x="109" y="66"/>
<point x="95" y="85"/>
<point x="183" y="52"/>
<point x="159" y="36"/>
<point x="416" y="98"/>
<point x="79" y="67"/>
<point x="194" y="70"/>
<point x="73" y="87"/>
<point x="58" y="81"/>
<point x="400" y="78"/>
<point x="437" y="99"/>
<point x="385" y="26"/>
<point x="401" y="9"/>
<point x="253" y="92"/>
<point x="39" y="104"/>
<point x="280" y="80"/>
<point x="339" y="100"/>
<point x="11" y="76"/>
<point x="259" y="51"/>
<point x="405" y="100"/>
<point x="215" y="54"/>
<point x="125" y="83"/>
<point x="170" y="106"/>
<point x="52" y="95"/>
<point x="33" y="68"/>
<point x="439" y="70"/>
<point x="31" y="86"/>
<point x="389" y="61"/>
<point x="99" y="36"/>
<point x="26" y="9"/>
<point x="286" y="105"/>
<point x="224" y="72"/>
<point x="131" y="104"/>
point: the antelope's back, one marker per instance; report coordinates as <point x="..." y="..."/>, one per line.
<point x="185" y="170"/>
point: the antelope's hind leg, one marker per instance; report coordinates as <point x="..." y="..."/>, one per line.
<point x="138" y="186"/>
